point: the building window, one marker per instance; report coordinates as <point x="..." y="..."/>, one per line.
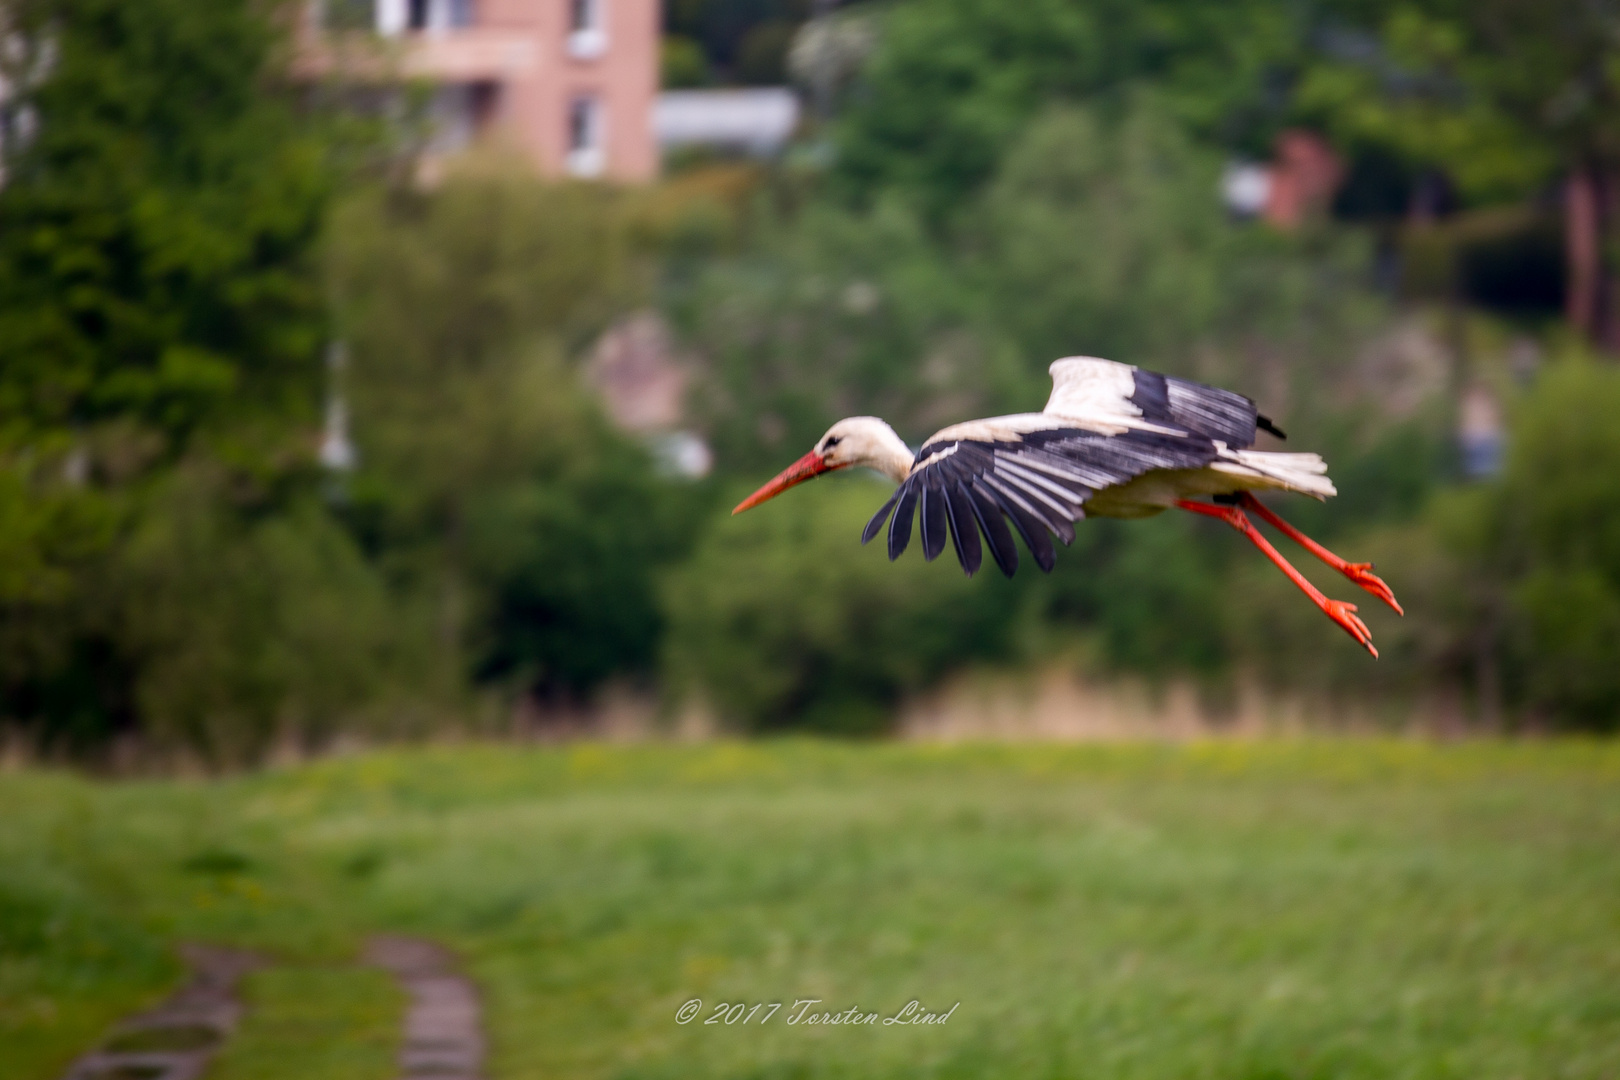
<point x="395" y="16"/>
<point x="391" y="17"/>
<point x="587" y="29"/>
<point x="585" y="151"/>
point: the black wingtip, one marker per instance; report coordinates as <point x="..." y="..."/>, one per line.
<point x="875" y="526"/>
<point x="932" y="515"/>
<point x="1264" y="424"/>
<point x="900" y="524"/>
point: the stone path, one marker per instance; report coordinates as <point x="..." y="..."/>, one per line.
<point x="176" y="1040"/>
<point x="444" y="1039"/>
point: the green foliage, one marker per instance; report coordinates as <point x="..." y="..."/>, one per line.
<point x="741" y="40"/>
<point x="1559" y="527"/>
<point x="832" y="314"/>
<point x="46" y="537"/>
<point x="1386" y="472"/>
<point x="243" y="630"/>
<point x="1102" y="234"/>
<point x="489" y="486"/>
<point x="1503" y="93"/>
<point x="155" y="229"/>
<point x="954" y="82"/>
<point x="782" y="620"/>
<point x="1151" y="591"/>
<point x="568" y="559"/>
<point x="681" y="64"/>
<point x="1512" y="589"/>
<point x="158" y="305"/>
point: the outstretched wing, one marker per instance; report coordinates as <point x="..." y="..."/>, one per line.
<point x="1038" y="481"/>
<point x="1105" y="424"/>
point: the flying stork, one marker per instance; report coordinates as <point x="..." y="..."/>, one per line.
<point x="1113" y="441"/>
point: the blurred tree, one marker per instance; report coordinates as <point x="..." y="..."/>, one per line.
<point x="741" y="40"/>
<point x="1100" y="234"/>
<point x="156" y="225"/>
<point x="245" y="631"/>
<point x="161" y="204"/>
<point x="762" y="56"/>
<point x="782" y="620"/>
<point x="488" y="482"/>
<point x="63" y="672"/>
<point x="1512" y="589"/>
<point x="682" y="64"/>
<point x="1151" y="593"/>
<point x="1559" y="527"/>
<point x="954" y="82"/>
<point x="833" y="313"/>
<point x="1508" y="95"/>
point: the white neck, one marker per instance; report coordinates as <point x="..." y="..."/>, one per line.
<point x="890" y="455"/>
<point x="897" y="466"/>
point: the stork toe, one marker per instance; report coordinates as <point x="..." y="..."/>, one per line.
<point x="1343" y="613"/>
<point x="1362" y="575"/>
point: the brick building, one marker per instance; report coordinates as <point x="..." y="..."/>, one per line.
<point x="570" y="83"/>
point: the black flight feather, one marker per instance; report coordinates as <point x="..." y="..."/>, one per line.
<point x="996" y="534"/>
<point x="1264" y="423"/>
<point x="1010" y="496"/>
<point x="933" y="521"/>
<point x="964" y="528"/>
<point x="900" y="527"/>
<point x="1039" y="504"/>
<point x="1030" y="527"/>
<point x="873" y="526"/>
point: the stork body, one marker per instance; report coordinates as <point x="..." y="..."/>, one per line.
<point x="1113" y="441"/>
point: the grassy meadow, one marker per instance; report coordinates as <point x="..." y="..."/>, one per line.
<point x="1246" y="910"/>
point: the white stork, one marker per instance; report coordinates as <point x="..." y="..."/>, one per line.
<point x="1113" y="441"/>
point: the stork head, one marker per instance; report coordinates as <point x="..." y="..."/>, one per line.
<point x="855" y="440"/>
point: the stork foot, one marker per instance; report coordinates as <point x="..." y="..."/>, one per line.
<point x="1340" y="612"/>
<point x="1361" y="573"/>
<point x="1344" y="614"/>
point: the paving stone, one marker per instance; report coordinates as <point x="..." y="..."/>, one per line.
<point x="443" y="1029"/>
<point x="177" y="1039"/>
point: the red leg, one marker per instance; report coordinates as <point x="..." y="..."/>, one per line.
<point x="1360" y="573"/>
<point x="1337" y="610"/>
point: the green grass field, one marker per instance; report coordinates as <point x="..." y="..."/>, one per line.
<point x="1244" y="910"/>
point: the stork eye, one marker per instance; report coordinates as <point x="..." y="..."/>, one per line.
<point x="832" y="442"/>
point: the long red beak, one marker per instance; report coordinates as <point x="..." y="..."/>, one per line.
<point x="808" y="467"/>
